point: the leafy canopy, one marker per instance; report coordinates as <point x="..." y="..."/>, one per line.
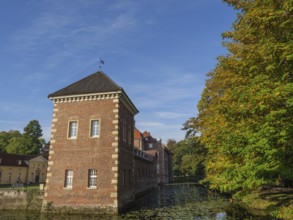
<point x="188" y="157"/>
<point x="28" y="143"/>
<point x="245" y="112"/>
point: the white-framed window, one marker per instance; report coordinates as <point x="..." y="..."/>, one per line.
<point x="92" y="178"/>
<point x="95" y="128"/>
<point x="68" y="179"/>
<point x="129" y="135"/>
<point x="150" y="145"/>
<point x="72" y="131"/>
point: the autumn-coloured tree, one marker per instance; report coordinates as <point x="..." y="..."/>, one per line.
<point x="246" y="109"/>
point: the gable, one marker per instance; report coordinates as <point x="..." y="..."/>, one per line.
<point x="39" y="159"/>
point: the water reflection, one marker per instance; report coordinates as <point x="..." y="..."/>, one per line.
<point x="183" y="201"/>
<point x="171" y="195"/>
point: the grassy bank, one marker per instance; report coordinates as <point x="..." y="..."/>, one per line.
<point x="277" y="202"/>
<point x="19" y="187"/>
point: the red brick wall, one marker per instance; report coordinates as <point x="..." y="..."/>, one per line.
<point x="111" y="155"/>
<point x="81" y="154"/>
<point x="145" y="176"/>
<point x="126" y="165"/>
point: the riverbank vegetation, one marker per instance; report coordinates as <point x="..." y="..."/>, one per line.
<point x="275" y="201"/>
<point x="245" y="113"/>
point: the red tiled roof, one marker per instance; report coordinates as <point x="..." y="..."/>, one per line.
<point x="137" y="134"/>
<point x="146" y="134"/>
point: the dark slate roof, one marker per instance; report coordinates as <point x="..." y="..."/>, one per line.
<point x="98" y="82"/>
<point x="15" y="160"/>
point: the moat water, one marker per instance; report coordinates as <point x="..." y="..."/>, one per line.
<point x="178" y="201"/>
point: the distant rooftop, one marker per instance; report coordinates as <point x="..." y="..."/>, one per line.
<point x="14" y="159"/>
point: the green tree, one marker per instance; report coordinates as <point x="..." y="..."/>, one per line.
<point x="30" y="142"/>
<point x="245" y="112"/>
<point x="6" y="137"/>
<point x="33" y="130"/>
<point x="189" y="157"/>
<point x="171" y="144"/>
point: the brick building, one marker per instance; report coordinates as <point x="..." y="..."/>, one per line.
<point x="92" y="162"/>
<point x="145" y="142"/>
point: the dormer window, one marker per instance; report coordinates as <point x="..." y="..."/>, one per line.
<point x="19" y="162"/>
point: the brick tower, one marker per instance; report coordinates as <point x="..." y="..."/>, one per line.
<point x="91" y="153"/>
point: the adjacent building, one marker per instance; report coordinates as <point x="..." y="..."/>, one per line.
<point x="145" y="142"/>
<point x="22" y="168"/>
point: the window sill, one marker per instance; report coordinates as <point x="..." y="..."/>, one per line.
<point x="68" y="188"/>
<point x="94" y="136"/>
<point x="92" y="187"/>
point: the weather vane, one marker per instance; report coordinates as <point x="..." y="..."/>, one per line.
<point x="101" y="62"/>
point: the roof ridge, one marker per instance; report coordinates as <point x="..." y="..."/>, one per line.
<point x="101" y="72"/>
<point x="71" y="84"/>
<point x="97" y="82"/>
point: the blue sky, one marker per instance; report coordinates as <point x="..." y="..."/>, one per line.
<point x="159" y="51"/>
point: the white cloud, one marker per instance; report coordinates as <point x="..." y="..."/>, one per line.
<point x="150" y="124"/>
<point x="171" y="115"/>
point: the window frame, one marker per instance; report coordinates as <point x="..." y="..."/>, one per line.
<point x="91" y="128"/>
<point x="92" y="177"/>
<point x="69" y="133"/>
<point x="68" y="183"/>
<point x="129" y="135"/>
